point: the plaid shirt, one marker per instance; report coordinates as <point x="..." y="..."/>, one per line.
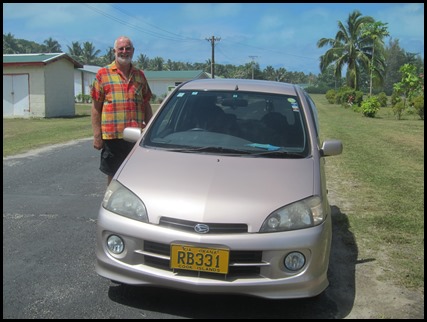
<point x="124" y="102"/>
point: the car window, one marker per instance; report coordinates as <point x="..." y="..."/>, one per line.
<point x="244" y="122"/>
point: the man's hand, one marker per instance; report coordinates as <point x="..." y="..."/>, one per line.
<point x="98" y="142"/>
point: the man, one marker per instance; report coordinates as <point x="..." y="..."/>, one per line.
<point x="121" y="98"/>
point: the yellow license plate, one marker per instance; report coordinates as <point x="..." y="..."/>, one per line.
<point x="214" y="260"/>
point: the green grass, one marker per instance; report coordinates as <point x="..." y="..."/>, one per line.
<point x="380" y="175"/>
<point x="21" y="135"/>
<point x="379" y="178"/>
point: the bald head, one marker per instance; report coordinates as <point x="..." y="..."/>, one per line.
<point x="122" y="39"/>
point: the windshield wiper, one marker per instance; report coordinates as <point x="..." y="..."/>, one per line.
<point x="214" y="149"/>
<point x="280" y="154"/>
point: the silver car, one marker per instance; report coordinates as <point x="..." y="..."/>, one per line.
<point x="223" y="192"/>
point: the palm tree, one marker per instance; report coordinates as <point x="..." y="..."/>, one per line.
<point x="269" y="73"/>
<point x="10" y="44"/>
<point x="52" y="46"/>
<point x="376" y="32"/>
<point x="89" y="53"/>
<point x="143" y="61"/>
<point x="348" y="48"/>
<point x="156" y="63"/>
<point x="75" y="50"/>
<point x="280" y="74"/>
<point x="108" y="58"/>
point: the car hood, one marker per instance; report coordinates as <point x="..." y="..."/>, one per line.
<point x="211" y="188"/>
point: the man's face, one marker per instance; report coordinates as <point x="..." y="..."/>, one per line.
<point x="124" y="51"/>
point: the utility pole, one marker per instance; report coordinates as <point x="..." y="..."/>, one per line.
<point x="252" y="64"/>
<point x="212" y="40"/>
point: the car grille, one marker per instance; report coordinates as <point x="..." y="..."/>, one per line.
<point x="214" y="228"/>
<point x="159" y="251"/>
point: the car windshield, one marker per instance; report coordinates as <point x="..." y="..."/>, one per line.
<point x="225" y="122"/>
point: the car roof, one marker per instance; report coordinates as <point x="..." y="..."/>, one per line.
<point x="230" y="84"/>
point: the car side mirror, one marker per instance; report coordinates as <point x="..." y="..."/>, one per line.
<point x="132" y="134"/>
<point x="331" y="147"/>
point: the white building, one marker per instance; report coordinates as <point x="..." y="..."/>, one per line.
<point x="161" y="82"/>
<point x="83" y="80"/>
<point x="38" y="85"/>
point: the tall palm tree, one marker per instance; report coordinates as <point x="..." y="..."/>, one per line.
<point x="52" y="46"/>
<point x="89" y="53"/>
<point x="376" y="32"/>
<point x="75" y="50"/>
<point x="143" y="61"/>
<point x="348" y="48"/>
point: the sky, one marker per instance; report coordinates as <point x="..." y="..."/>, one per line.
<point x="282" y="35"/>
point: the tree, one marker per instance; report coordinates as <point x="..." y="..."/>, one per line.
<point x="376" y="32"/>
<point x="89" y="53"/>
<point x="395" y="58"/>
<point x="142" y="61"/>
<point x="108" y="58"/>
<point x="75" y="50"/>
<point x="156" y="63"/>
<point x="327" y="79"/>
<point x="52" y="46"/>
<point x="280" y="74"/>
<point x="411" y="86"/>
<point x="10" y="45"/>
<point x="348" y="48"/>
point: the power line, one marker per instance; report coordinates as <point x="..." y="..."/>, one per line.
<point x="151" y="33"/>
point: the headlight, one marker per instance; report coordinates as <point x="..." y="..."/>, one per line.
<point x="302" y="214"/>
<point x="122" y="201"/>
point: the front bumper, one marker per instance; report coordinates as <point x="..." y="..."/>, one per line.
<point x="266" y="277"/>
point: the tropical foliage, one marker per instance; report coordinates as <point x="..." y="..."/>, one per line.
<point x="376" y="32"/>
<point x="353" y="48"/>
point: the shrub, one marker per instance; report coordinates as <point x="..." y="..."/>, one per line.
<point x="330" y="96"/>
<point x="398" y="109"/>
<point x="348" y="97"/>
<point x="80" y="98"/>
<point x="358" y="98"/>
<point x="370" y="106"/>
<point x="382" y="98"/>
<point x="418" y="104"/>
<point x="316" y="89"/>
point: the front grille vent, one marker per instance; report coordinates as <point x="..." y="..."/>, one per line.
<point x="214" y="228"/>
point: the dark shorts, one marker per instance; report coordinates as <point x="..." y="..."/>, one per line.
<point x="113" y="154"/>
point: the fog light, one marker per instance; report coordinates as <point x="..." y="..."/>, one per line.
<point x="115" y="244"/>
<point x="294" y="261"/>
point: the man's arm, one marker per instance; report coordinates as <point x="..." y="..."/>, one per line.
<point x="148" y="112"/>
<point x="96" y="124"/>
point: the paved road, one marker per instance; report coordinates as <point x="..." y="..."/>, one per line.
<point x="50" y="204"/>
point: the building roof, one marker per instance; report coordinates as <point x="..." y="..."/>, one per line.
<point x="37" y="59"/>
<point x="178" y="74"/>
<point x="90" y="68"/>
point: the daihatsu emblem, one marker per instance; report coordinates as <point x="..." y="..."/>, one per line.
<point x="201" y="228"/>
